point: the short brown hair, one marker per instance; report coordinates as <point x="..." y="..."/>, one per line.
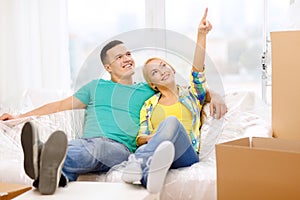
<point x="107" y="47"/>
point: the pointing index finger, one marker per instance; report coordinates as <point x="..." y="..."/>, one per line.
<point x="205" y="14"/>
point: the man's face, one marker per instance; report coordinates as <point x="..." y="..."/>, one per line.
<point x="121" y="64"/>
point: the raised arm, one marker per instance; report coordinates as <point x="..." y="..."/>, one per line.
<point x="199" y="55"/>
<point x="57" y="106"/>
<point x="217" y="105"/>
<point x="198" y="80"/>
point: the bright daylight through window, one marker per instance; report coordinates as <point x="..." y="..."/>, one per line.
<point x="235" y="44"/>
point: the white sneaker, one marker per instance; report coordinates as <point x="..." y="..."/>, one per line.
<point x="161" y="161"/>
<point x="133" y="170"/>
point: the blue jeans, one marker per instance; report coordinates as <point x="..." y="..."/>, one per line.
<point x="172" y="130"/>
<point x="92" y="155"/>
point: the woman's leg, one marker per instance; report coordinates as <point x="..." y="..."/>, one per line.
<point x="169" y="130"/>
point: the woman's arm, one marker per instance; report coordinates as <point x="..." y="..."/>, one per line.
<point x="198" y="80"/>
<point x="217" y="104"/>
<point x="144" y="134"/>
<point x="199" y="54"/>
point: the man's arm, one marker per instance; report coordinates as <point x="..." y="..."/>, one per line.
<point x="54" y="107"/>
<point x="217" y="105"/>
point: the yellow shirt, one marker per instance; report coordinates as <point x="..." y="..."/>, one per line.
<point x="160" y="112"/>
<point x="193" y="97"/>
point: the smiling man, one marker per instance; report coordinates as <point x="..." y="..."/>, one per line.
<point x="111" y="125"/>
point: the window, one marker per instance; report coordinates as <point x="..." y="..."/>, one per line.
<point x="235" y="45"/>
<point x="92" y="22"/>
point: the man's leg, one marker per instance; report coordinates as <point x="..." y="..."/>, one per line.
<point x="31" y="146"/>
<point x="92" y="155"/>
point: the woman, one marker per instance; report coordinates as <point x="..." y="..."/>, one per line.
<point x="170" y="120"/>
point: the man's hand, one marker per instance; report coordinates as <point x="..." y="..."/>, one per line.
<point x="6" y="116"/>
<point x="204" y="26"/>
<point x="218" y="107"/>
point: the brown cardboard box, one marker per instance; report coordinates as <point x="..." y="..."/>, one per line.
<point x="9" y="191"/>
<point x="266" y="168"/>
<point x="285" y="84"/>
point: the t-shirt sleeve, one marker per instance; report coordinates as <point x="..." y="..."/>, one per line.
<point x="84" y="93"/>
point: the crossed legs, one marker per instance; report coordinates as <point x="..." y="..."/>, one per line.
<point x="43" y="162"/>
<point x="56" y="162"/>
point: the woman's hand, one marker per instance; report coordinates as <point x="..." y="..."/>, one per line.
<point x="204" y="26"/>
<point x="144" y="139"/>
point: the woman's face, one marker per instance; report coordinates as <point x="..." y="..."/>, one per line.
<point x="160" y="73"/>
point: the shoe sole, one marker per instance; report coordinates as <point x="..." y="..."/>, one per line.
<point x="162" y="159"/>
<point x="52" y="158"/>
<point x="29" y="141"/>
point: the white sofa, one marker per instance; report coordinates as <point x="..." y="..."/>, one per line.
<point x="247" y="116"/>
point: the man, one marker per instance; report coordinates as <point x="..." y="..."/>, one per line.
<point x="112" y="122"/>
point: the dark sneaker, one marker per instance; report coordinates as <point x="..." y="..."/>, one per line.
<point x="31" y="146"/>
<point x="160" y="163"/>
<point x="51" y="161"/>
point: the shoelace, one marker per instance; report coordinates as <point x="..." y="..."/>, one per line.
<point x="132" y="158"/>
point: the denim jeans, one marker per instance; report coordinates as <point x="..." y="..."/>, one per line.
<point x="92" y="155"/>
<point x="172" y="130"/>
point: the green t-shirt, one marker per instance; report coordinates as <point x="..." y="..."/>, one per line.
<point x="113" y="110"/>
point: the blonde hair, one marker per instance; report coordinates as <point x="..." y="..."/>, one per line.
<point x="146" y="77"/>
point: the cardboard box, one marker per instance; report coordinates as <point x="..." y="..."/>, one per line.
<point x="266" y="168"/>
<point x="285" y="82"/>
<point x="9" y="191"/>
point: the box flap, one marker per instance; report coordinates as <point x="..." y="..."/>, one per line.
<point x="239" y="142"/>
<point x="285" y="81"/>
<point x="276" y="144"/>
<point x="267" y="170"/>
<point x="260" y="143"/>
<point x="10" y="191"/>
